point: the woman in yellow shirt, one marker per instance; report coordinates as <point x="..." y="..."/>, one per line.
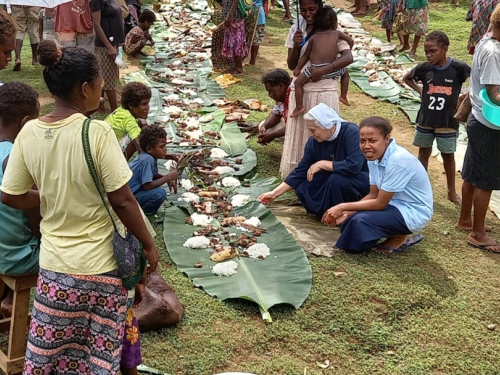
<point x="79" y="309"/>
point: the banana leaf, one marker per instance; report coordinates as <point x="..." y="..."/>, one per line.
<point x="390" y="91"/>
<point x="258" y="185"/>
<point x="284" y="277"/>
<point x="249" y="162"/>
<point x="232" y="140"/>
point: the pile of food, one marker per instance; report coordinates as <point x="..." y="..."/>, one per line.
<point x="217" y="228"/>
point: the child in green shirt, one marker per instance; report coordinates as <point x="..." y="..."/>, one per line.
<point x="124" y="120"/>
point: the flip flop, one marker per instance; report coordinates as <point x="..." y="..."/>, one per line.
<point x="484" y="247"/>
<point x="410" y="241"/>
<point x="149" y="370"/>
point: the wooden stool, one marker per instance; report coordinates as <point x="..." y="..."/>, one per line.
<point x="13" y="361"/>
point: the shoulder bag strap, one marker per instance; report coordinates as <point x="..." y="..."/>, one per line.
<point x="92" y="168"/>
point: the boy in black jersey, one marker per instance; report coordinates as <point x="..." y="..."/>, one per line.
<point x="442" y="78"/>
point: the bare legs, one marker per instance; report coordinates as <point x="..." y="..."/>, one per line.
<point x="254" y="51"/>
<point x="406" y="44"/>
<point x="34" y="56"/>
<point x="288" y="16"/>
<point x="299" y="95"/>
<point x="111" y="95"/>
<point x="344" y="88"/>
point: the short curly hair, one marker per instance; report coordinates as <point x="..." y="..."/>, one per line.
<point x="17" y="100"/>
<point x="147" y="16"/>
<point x="495" y="17"/>
<point x="274" y="77"/>
<point x="439" y="37"/>
<point x="7" y="26"/>
<point x="150" y="135"/>
<point x="325" y="19"/>
<point x="134" y="93"/>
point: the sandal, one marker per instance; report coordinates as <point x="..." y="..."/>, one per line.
<point x="485" y="247"/>
<point x="410" y="241"/>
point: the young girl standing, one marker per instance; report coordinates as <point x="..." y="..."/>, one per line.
<point x="234" y="45"/>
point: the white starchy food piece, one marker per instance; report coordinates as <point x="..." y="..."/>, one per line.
<point x="179" y="72"/>
<point x="187" y="184"/>
<point x="177" y="81"/>
<point x="170" y="165"/>
<point x="189" y="92"/>
<point x="258" y="250"/>
<point x="239" y="200"/>
<point x="253" y="221"/>
<point x="195" y="134"/>
<point x="172" y="97"/>
<point x="206" y="118"/>
<point x="225" y="268"/>
<point x="197" y="242"/>
<point x="189" y="197"/>
<point x="184" y="144"/>
<point x="218" y="153"/>
<point x="377" y="84"/>
<point x="198" y="100"/>
<point x="230" y="182"/>
<point x="201" y="220"/>
<point x="177" y="62"/>
<point x="224" y="169"/>
<point x="173" y="110"/>
<point x="192" y="122"/>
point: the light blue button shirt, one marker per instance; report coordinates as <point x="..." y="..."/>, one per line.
<point x="262" y="15"/>
<point x="401" y="173"/>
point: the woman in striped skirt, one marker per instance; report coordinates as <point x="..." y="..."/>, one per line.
<point x="79" y="309"/>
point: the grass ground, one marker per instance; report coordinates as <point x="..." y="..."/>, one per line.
<point x="422" y="312"/>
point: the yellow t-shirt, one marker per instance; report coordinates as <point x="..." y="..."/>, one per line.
<point x="123" y="123"/>
<point x="76" y="228"/>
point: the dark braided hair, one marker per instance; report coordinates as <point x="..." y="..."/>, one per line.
<point x="150" y="135"/>
<point x="134" y="93"/>
<point x="7" y="26"/>
<point x="379" y="123"/>
<point x="17" y="100"/>
<point x="66" y="69"/>
<point x="147" y="16"/>
<point x="440" y="37"/>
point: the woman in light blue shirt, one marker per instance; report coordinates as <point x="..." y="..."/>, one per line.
<point x="400" y="200"/>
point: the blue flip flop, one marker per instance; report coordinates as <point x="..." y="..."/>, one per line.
<point x="410" y="241"/>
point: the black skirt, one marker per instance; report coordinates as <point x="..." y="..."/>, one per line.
<point x="482" y="158"/>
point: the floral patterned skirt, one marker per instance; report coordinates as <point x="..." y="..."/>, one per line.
<point x="235" y="40"/>
<point x="418" y="21"/>
<point x="77" y="324"/>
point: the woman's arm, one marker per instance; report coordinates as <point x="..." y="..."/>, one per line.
<point x="270" y="196"/>
<point x="493" y="93"/>
<point x="293" y="53"/>
<point x="96" y="20"/>
<point x="374" y="203"/>
<point x="127" y="209"/>
<point x="371" y="195"/>
<point x="26" y="201"/>
<point x="229" y="19"/>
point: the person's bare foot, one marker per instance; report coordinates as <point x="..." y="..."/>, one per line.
<point x="251" y="63"/>
<point x="453" y="197"/>
<point x="34" y="62"/>
<point x="483" y="242"/>
<point x="359" y="13"/>
<point x="393" y="242"/>
<point x="344" y="101"/>
<point x="404" y="48"/>
<point x="297" y="111"/>
<point x="467" y="227"/>
<point x="236" y="72"/>
<point x="286" y="19"/>
<point x="412" y="53"/>
<point x="17" y="66"/>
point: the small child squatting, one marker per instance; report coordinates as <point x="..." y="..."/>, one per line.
<point x="327" y="35"/>
<point x="442" y="78"/>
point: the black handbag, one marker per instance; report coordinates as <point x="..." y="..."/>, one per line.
<point x="128" y="250"/>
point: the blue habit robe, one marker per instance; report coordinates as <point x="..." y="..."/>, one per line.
<point x="349" y="181"/>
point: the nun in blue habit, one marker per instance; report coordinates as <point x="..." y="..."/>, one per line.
<point x="333" y="169"/>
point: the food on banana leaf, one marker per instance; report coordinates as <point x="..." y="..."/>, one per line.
<point x="239" y="200"/>
<point x="206" y="118"/>
<point x="212" y="192"/>
<point x="199" y="220"/>
<point x="253" y="221"/>
<point x="224" y="170"/>
<point x="230" y="182"/>
<point x="170" y="165"/>
<point x="187" y="184"/>
<point x="189" y="197"/>
<point x="225" y="269"/>
<point x="258" y="251"/>
<point x="227" y="252"/>
<point x="250" y="228"/>
<point x="234" y="220"/>
<point x="205" y="231"/>
<point x="173" y="111"/>
<point x="245" y="241"/>
<point x="218" y="153"/>
<point x="198" y="242"/>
